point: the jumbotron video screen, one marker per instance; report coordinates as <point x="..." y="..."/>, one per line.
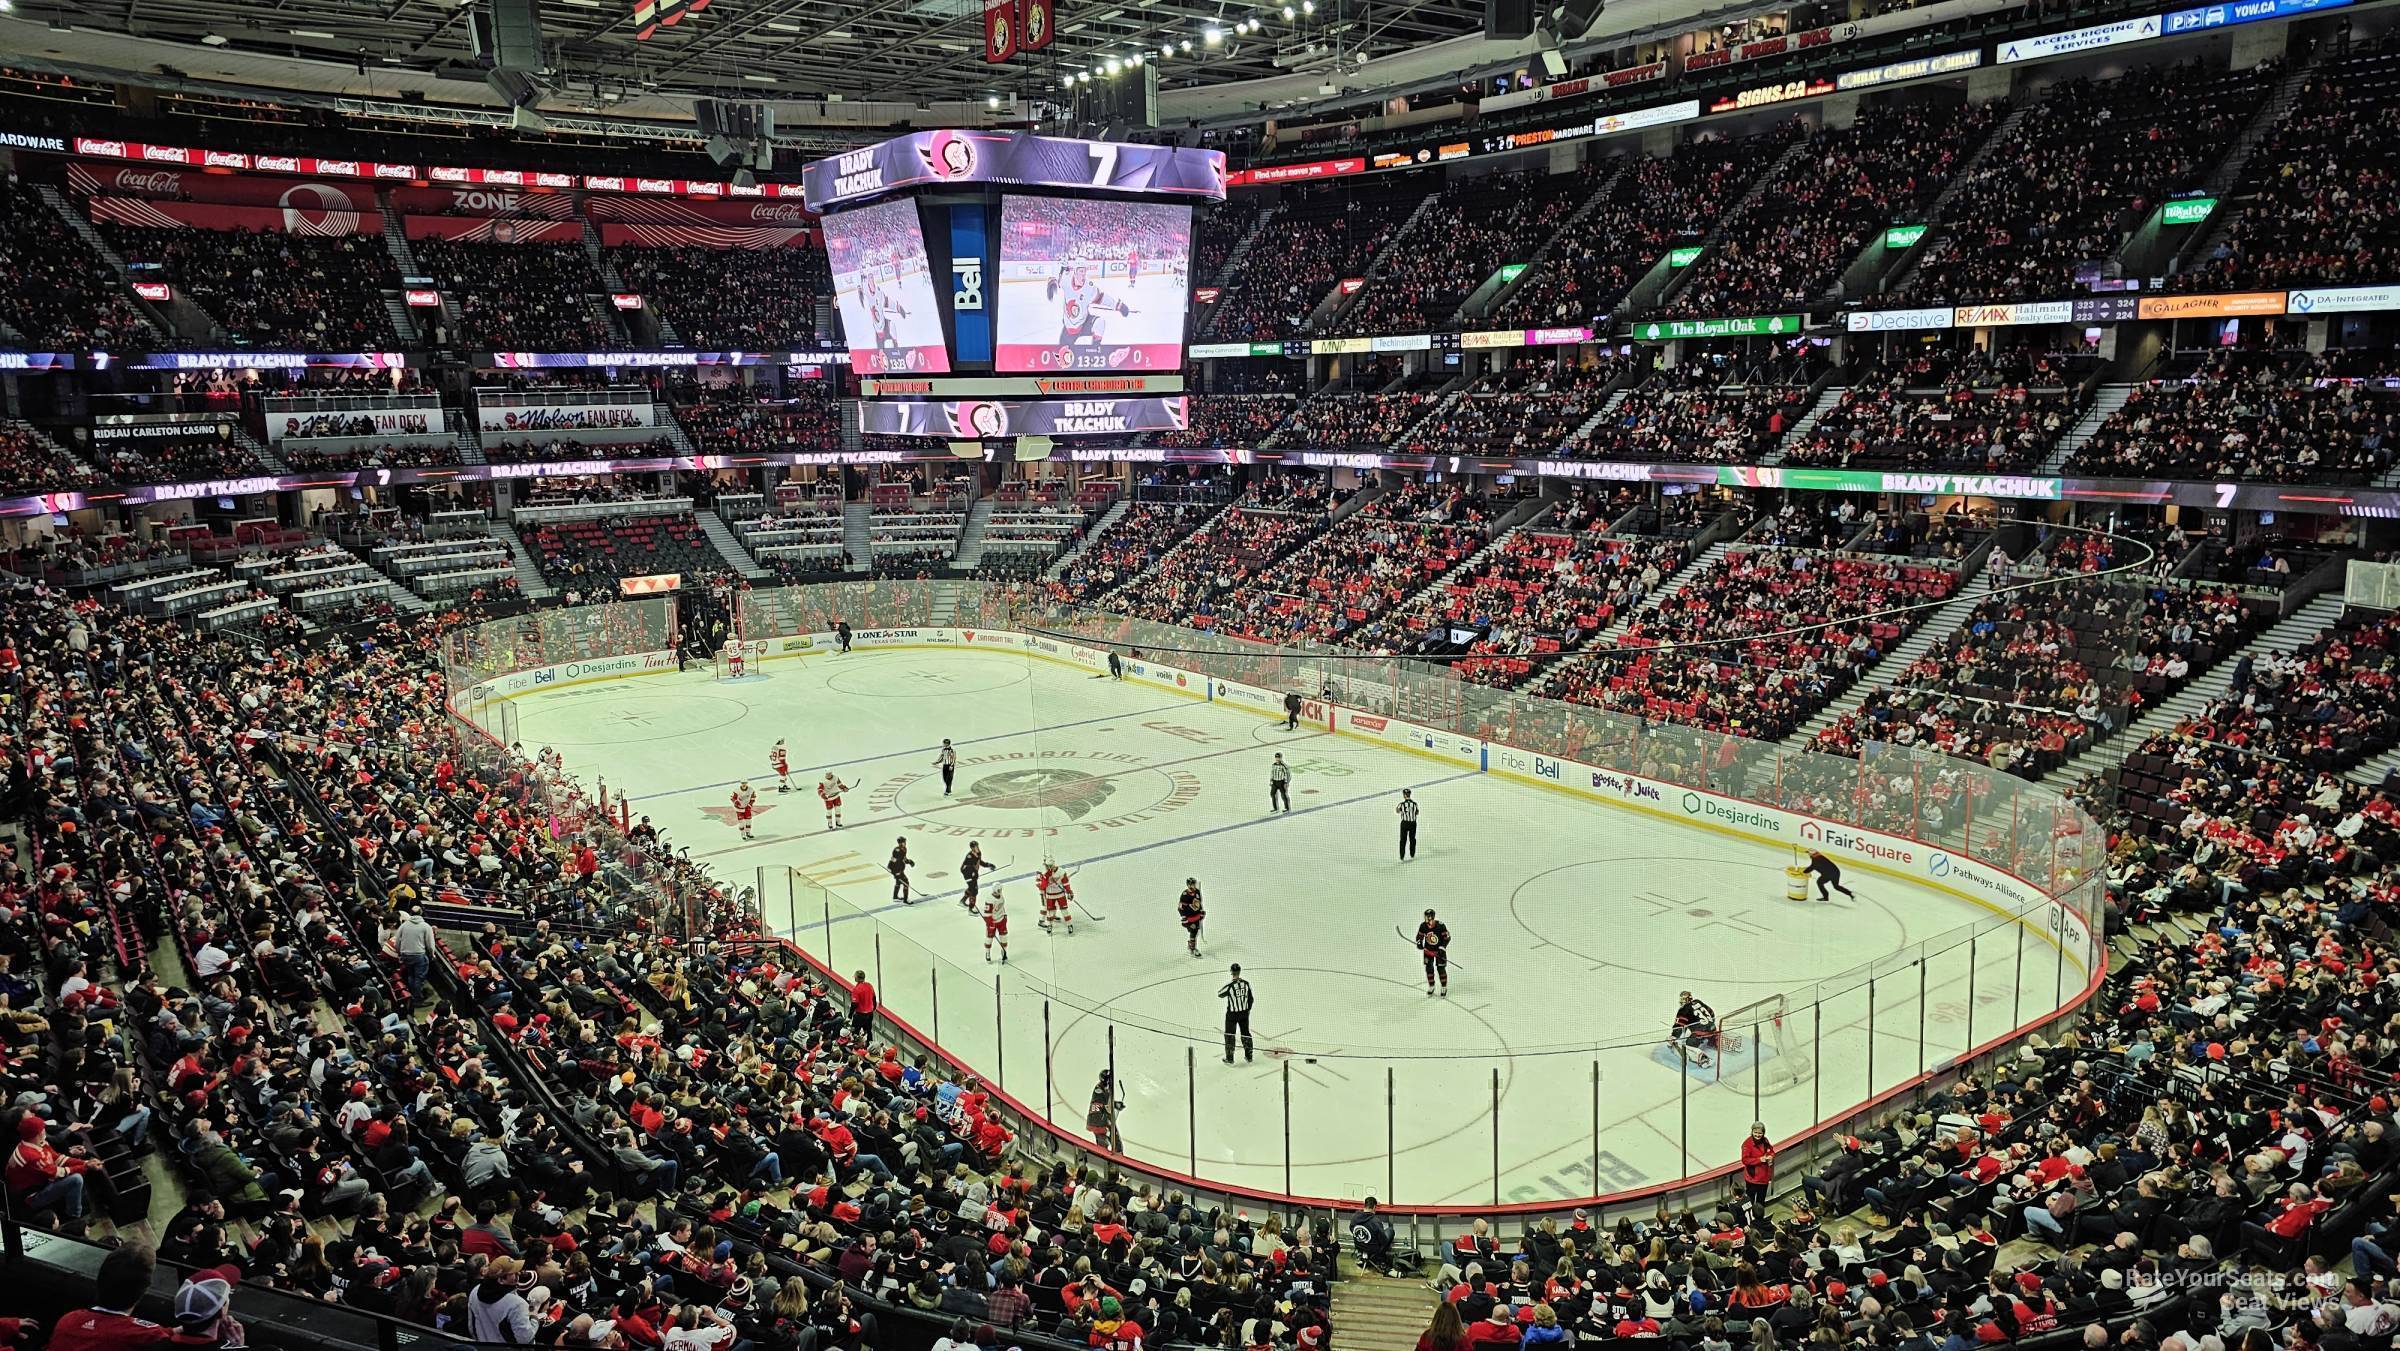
<point x="883" y="287"/>
<point x="1092" y="285"/>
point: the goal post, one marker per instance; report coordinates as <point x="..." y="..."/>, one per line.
<point x="1758" y="1037"/>
<point x="737" y="659"/>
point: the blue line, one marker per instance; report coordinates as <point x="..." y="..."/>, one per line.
<point x="888" y="906"/>
<point x="918" y="750"/>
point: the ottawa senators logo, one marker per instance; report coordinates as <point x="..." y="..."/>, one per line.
<point x="1069" y="791"/>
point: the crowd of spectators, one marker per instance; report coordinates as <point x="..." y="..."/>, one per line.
<point x="198" y="450"/>
<point x="1522" y="410"/>
<point x="734" y="420"/>
<point x="60" y="295"/>
<point x="1946" y="406"/>
<point x="1790" y="245"/>
<point x="2065" y="187"/>
<point x="1550" y="590"/>
<point x="1724" y="652"/>
<point x="731" y="299"/>
<point x="2318" y="206"/>
<point x="2036" y="675"/>
<point x="1693" y="412"/>
<point x="2247" y="415"/>
<point x="1244" y="420"/>
<point x="32" y="463"/>
<point x="1336" y="418"/>
<point x="1340" y="586"/>
<point x="2192" y="1163"/>
<point x="321" y="292"/>
<point x="1321" y="235"/>
<point x="417" y="454"/>
<point x="1187" y="584"/>
<point x="1132" y="546"/>
<point x="1471" y="229"/>
<point x="1656" y="203"/>
<point x="525" y="450"/>
<point x="520" y="297"/>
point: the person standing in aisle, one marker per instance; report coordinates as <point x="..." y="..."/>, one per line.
<point x="946" y="760"/>
<point x="1279" y="784"/>
<point x="1239" y="1000"/>
<point x="1407" y="811"/>
<point x="1758" y="1170"/>
<point x="1101" y="1117"/>
<point x="862" y="1006"/>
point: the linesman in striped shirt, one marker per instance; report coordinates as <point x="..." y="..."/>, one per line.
<point x="1239" y="998"/>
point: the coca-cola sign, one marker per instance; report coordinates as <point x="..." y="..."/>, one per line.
<point x="780" y="213"/>
<point x="147" y="183"/>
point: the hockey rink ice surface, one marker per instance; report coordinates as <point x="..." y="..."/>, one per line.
<point x="1574" y="925"/>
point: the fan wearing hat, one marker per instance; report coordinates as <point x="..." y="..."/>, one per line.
<point x="45" y="1177"/>
<point x="204" y="1310"/>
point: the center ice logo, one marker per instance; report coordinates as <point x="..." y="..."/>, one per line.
<point x="1018" y="794"/>
<point x="1071" y="791"/>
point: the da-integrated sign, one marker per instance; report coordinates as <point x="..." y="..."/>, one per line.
<point x="2187" y="210"/>
<point x="2343" y="299"/>
<point x="1683" y="257"/>
<point x="1744" y="326"/>
<point x="1904" y="236"/>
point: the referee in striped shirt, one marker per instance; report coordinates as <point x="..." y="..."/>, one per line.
<point x="1239" y="998"/>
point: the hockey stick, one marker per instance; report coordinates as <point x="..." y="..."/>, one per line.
<point x="1413" y="943"/>
<point x="1087" y="914"/>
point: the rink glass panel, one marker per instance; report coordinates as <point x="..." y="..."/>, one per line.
<point x="1563" y="1120"/>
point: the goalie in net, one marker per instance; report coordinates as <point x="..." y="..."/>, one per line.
<point x="737" y="659"/>
<point x="1752" y="1039"/>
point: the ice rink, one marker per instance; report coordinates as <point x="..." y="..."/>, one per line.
<point x="1544" y="1073"/>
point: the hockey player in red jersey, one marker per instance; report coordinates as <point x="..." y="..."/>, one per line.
<point x="830" y="789"/>
<point x="782" y="765"/>
<point x="995" y="924"/>
<point x="1058" y="895"/>
<point x="745" y="806"/>
<point x="1190" y="910"/>
<point x="1433" y="940"/>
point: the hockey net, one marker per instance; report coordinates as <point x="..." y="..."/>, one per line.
<point x="737" y="659"/>
<point x="1757" y="1036"/>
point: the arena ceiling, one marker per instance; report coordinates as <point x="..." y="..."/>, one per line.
<point x="907" y="51"/>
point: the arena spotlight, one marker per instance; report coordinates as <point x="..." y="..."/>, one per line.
<point x="1187" y="46"/>
<point x="1166" y="51"/>
<point x="1214" y="37"/>
<point x="1290" y="13"/>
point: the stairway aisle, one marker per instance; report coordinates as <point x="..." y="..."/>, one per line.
<point x="1374" y="1312"/>
<point x="2108" y="400"/>
<point x="530" y="584"/>
<point x="730" y="548"/>
<point x="1946" y="621"/>
<point x="858" y="536"/>
<point x="1116" y="511"/>
<point x="970" y="535"/>
<point x="2285" y="635"/>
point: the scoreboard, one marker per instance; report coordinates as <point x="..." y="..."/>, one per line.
<point x="959" y="255"/>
